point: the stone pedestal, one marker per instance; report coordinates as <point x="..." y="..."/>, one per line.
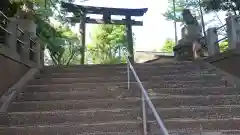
<point x="183" y="52"/>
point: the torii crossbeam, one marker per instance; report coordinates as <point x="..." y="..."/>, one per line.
<point x="80" y="13"/>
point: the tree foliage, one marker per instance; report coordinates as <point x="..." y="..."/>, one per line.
<point x="107" y="41"/>
<point x="168" y="46"/>
<point x="62" y="43"/>
<point x="193" y="5"/>
<point x="232" y="6"/>
<point x="223" y="46"/>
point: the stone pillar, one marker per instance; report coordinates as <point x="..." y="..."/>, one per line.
<point x="212" y="38"/>
<point x="11" y="37"/>
<point x="233" y="31"/>
<point x="42" y="55"/>
<point x="29" y="26"/>
<point x="130" y="39"/>
<point x="38" y="52"/>
<point x="82" y="30"/>
<point x="25" y="54"/>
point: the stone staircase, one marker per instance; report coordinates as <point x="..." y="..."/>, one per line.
<point x="94" y="100"/>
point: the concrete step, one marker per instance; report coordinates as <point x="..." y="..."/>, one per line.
<point x="74" y="129"/>
<point x="124" y="78"/>
<point x="134" y="91"/>
<point x="203" y="132"/>
<point x="119" y="66"/>
<point x="123" y="93"/>
<point x="108" y="87"/>
<point x="124" y="74"/>
<point x="122" y="126"/>
<point x="118" y="114"/>
<point x="124" y="68"/>
<point x="147" y="85"/>
<point x="160" y="101"/>
<point x="95" y="73"/>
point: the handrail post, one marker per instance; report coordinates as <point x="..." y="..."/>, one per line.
<point x="144" y="115"/>
<point x="128" y="72"/>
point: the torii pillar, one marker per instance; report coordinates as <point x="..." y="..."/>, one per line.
<point x="82" y="31"/>
<point x="130" y="39"/>
<point x="107" y="13"/>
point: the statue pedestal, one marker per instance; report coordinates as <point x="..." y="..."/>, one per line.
<point x="183" y="52"/>
<point x="184" y="48"/>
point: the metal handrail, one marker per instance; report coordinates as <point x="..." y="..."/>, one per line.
<point x="221" y="26"/>
<point x="32" y="41"/>
<point x="222" y="39"/>
<point x="144" y="98"/>
<point x="2" y="14"/>
<point x="20" y="41"/>
<point x="218" y="28"/>
<point x="1" y="27"/>
<point x="19" y="29"/>
<point x="5" y="30"/>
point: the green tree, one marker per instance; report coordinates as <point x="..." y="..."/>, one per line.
<point x="223" y="46"/>
<point x="193" y="5"/>
<point x="62" y="43"/>
<point x="232" y="6"/>
<point x="107" y="40"/>
<point x="168" y="46"/>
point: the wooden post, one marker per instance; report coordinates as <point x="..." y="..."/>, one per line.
<point x="130" y="39"/>
<point x="11" y="37"/>
<point x="212" y="38"/>
<point x="82" y="30"/>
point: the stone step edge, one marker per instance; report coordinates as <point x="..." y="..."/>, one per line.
<point x="125" y="82"/>
<point x="190" y="63"/>
<point x="119" y="72"/>
<point x="156" y="91"/>
<point x="115" y="76"/>
<point x="93" y="90"/>
<point x="77" y="124"/>
<point x="133" y="99"/>
<point x="123" y="109"/>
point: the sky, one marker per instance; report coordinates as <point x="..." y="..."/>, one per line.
<point x="155" y="30"/>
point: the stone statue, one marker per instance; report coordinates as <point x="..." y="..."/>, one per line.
<point x="191" y="35"/>
<point x="191" y="30"/>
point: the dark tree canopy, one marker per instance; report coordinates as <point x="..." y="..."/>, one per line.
<point x="224" y="5"/>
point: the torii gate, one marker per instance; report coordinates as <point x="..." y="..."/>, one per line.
<point x="80" y="16"/>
